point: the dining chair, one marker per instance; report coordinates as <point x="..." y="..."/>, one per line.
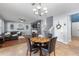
<point x="34" y="34"/>
<point x="51" y="46"/>
<point x="49" y="35"/>
<point x="30" y="47"/>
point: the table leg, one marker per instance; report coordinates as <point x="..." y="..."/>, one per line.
<point x="40" y="50"/>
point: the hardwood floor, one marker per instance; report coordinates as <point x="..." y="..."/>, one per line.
<point x="12" y="43"/>
<point x="19" y="49"/>
<point x="71" y="49"/>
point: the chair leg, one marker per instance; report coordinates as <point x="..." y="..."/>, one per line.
<point x="26" y="53"/>
<point x="49" y="54"/>
<point x="30" y="53"/>
<point x="54" y="53"/>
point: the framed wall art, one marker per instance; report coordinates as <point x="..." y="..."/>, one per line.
<point x="58" y="26"/>
<point x="20" y="27"/>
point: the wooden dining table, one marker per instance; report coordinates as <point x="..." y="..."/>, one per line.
<point x="40" y="41"/>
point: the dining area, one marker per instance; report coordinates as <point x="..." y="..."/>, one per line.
<point x="44" y="45"/>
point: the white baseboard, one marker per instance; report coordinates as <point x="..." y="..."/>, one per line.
<point x="63" y="41"/>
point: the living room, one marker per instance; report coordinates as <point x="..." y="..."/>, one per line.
<point x="18" y="20"/>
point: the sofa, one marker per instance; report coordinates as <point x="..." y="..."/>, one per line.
<point x="13" y="35"/>
<point x="1" y="40"/>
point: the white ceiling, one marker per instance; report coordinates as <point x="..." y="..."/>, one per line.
<point x="14" y="11"/>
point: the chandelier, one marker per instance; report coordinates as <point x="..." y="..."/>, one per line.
<point x="39" y="10"/>
<point x="22" y="20"/>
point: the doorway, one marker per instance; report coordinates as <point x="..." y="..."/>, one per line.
<point x="75" y="26"/>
